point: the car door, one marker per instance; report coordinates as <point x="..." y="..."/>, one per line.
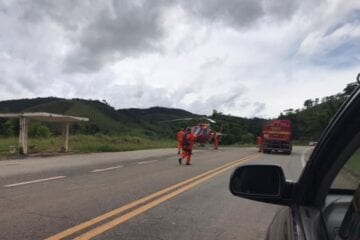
<point x="329" y="220"/>
<point x="322" y="203"/>
<point x="341" y="212"/>
<point x="315" y="209"/>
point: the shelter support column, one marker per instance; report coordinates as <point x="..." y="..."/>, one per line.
<point x="23" y="135"/>
<point x="65" y="137"/>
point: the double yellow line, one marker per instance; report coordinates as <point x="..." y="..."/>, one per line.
<point x="145" y="204"/>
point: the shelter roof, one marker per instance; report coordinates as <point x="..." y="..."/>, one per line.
<point x="45" y="116"/>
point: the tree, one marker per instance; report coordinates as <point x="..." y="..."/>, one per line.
<point x="75" y="128"/>
<point x="248" y="138"/>
<point x="308" y="103"/>
<point x="38" y="130"/>
<point x="9" y="128"/>
<point x="288" y="111"/>
<point x="91" y="128"/>
<point x="216" y="113"/>
<point x="105" y="102"/>
<point x="350" y="88"/>
<point x="43" y="131"/>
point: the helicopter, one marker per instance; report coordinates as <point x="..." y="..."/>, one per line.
<point x="202" y="131"/>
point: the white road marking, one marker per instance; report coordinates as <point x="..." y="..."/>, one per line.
<point x="147" y="162"/>
<point x="34" y="181"/>
<point x="105" y="169"/>
<point x="303" y="162"/>
<point x="10" y="164"/>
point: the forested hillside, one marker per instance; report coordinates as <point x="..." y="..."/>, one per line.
<point x="155" y="122"/>
<point x="104" y="119"/>
<point x="163" y="123"/>
<point x="311" y="120"/>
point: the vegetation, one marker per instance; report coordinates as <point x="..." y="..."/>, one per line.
<point x="104" y="143"/>
<point x="103" y="118"/>
<point x="152" y="123"/>
<point x="309" y="122"/>
<point x="86" y="144"/>
<point x="238" y="130"/>
<point x="128" y="129"/>
<point x="353" y="165"/>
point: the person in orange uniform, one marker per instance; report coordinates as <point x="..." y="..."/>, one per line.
<point x="179" y="137"/>
<point x="187" y="146"/>
<point x="216" y="141"/>
<point x="259" y="143"/>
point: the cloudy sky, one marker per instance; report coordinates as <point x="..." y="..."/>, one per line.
<point x="243" y="57"/>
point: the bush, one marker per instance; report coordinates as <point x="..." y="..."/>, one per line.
<point x="39" y="131"/>
<point x="9" y="129"/>
<point x="247" y="138"/>
<point x="91" y="129"/>
<point x="107" y="148"/>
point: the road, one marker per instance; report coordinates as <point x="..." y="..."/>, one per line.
<point x="135" y="195"/>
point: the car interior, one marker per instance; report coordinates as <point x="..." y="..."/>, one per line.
<point x="340" y="214"/>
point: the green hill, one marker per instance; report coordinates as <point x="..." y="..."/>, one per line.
<point x="310" y="121"/>
<point x="103" y="118"/>
<point x="163" y="123"/>
<point x="154" y="122"/>
<point x="19" y="105"/>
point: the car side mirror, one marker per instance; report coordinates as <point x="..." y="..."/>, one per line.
<point x="264" y="183"/>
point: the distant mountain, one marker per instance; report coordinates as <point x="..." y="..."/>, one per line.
<point x="157" y="113"/>
<point x="308" y="122"/>
<point x="103" y="117"/>
<point x="19" y="105"/>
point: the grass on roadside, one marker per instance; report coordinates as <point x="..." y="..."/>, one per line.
<point x="353" y="164"/>
<point x="103" y="143"/>
<point x="91" y="143"/>
<point x="85" y="144"/>
<point x="6" y="144"/>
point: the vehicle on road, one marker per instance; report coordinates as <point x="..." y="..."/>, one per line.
<point x="325" y="202"/>
<point x="276" y="136"/>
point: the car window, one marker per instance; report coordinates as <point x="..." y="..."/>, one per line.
<point x="349" y="176"/>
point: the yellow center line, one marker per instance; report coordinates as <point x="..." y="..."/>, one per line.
<point x="117" y="221"/>
<point x="128" y="206"/>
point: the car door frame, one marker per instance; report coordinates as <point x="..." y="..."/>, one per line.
<point x="338" y="142"/>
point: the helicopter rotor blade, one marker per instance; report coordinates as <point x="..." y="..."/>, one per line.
<point x="188" y="119"/>
<point x="221" y="134"/>
<point x="177" y="120"/>
<point x="210" y="120"/>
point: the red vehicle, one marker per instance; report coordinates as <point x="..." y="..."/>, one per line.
<point x="276" y="136"/>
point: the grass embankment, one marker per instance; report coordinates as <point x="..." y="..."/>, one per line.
<point x="91" y="143"/>
<point x="86" y="144"/>
<point x="353" y="165"/>
<point x="103" y="143"/>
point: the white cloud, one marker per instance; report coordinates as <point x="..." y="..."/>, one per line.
<point x="241" y="57"/>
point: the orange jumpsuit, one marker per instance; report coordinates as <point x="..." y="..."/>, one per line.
<point x="187" y="148"/>
<point x="179" y="137"/>
<point x="216" y="141"/>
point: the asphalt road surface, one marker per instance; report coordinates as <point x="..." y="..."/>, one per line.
<point x="135" y="195"/>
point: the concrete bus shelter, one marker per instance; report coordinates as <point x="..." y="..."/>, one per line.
<point x="65" y="120"/>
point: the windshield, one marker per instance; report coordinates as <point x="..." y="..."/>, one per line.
<point x="125" y="119"/>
